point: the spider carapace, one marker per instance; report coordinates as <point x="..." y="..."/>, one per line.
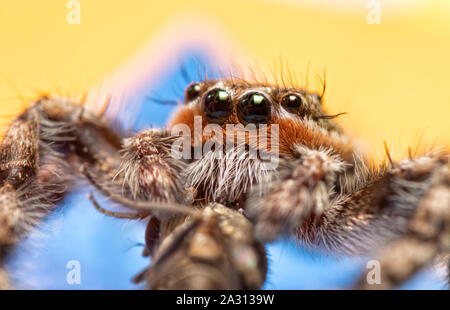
<point x="240" y="164"/>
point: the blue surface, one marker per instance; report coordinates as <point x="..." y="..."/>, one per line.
<point x="109" y="249"/>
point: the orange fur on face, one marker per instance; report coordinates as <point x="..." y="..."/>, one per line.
<point x="290" y="132"/>
<point x="294" y="132"/>
<point x="185" y="115"/>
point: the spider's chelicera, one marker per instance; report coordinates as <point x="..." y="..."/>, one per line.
<point x="211" y="211"/>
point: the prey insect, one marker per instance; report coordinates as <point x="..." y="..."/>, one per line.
<point x="209" y="216"/>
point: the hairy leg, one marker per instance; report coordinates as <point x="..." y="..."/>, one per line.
<point x="401" y="216"/>
<point x="357" y="209"/>
<point x="35" y="158"/>
<point x="149" y="169"/>
<point x="427" y="234"/>
<point x="29" y="169"/>
<point x="302" y="188"/>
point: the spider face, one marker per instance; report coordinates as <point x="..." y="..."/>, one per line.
<point x="278" y="118"/>
<point x="298" y="113"/>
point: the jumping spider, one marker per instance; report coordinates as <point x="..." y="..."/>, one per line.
<point x="209" y="216"/>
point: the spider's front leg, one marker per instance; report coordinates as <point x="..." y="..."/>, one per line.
<point x="304" y="189"/>
<point x="148" y="172"/>
<point x="149" y="169"/>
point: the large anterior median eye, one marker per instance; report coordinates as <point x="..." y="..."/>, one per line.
<point x="292" y="103"/>
<point x="254" y="108"/>
<point x="192" y="92"/>
<point x="217" y="106"/>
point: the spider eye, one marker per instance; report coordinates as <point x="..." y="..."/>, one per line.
<point x="217" y="106"/>
<point x="292" y="103"/>
<point x="192" y="91"/>
<point x="254" y="108"/>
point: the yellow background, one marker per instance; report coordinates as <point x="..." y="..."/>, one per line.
<point x="392" y="78"/>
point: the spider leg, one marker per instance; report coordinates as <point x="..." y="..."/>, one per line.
<point x="427" y="234"/>
<point x="164" y="210"/>
<point x="400" y="214"/>
<point x="36" y="158"/>
<point x="33" y="177"/>
<point x="149" y="169"/>
<point x="121" y="215"/>
<point x="151" y="185"/>
<point x="304" y="188"/>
